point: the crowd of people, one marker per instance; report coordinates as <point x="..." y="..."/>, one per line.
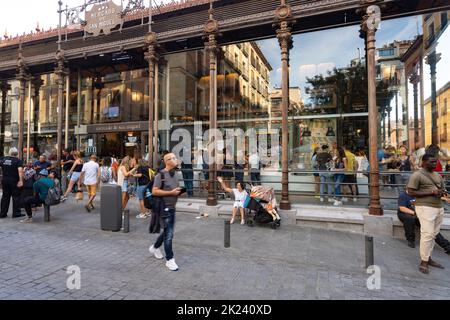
<point x="337" y="169"/>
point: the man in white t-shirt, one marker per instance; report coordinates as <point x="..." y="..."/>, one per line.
<point x="255" y="172"/>
<point x="91" y="177"/>
<point x="239" y="198"/>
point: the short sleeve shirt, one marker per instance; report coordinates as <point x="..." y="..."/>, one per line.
<point x="425" y="181"/>
<point x="42" y="165"/>
<point x="405" y="200"/>
<point x="170" y="183"/>
<point x="10" y="166"/>
<point x="91" y="170"/>
<point x="239" y="196"/>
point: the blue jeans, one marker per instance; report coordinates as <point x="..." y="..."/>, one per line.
<point x="338" y="179"/>
<point x="141" y="192"/>
<point x="167" y="235"/>
<point x="326" y="181"/>
<point x="255" y="176"/>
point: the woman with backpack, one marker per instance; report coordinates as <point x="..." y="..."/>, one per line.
<point x="143" y="180"/>
<point x="107" y="174"/>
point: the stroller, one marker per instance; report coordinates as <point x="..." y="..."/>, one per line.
<point x="261" y="207"/>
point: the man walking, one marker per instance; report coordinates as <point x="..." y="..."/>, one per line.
<point x="166" y="186"/>
<point x="90" y="174"/>
<point x="12" y="182"/>
<point x="428" y="188"/>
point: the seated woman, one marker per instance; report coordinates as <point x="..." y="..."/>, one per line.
<point x="239" y="197"/>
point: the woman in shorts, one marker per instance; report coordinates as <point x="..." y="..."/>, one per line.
<point x="239" y="198"/>
<point x="74" y="173"/>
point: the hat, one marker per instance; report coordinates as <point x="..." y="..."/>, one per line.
<point x="43" y="172"/>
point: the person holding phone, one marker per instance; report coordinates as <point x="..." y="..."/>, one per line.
<point x="428" y="188"/>
<point x="166" y="186"/>
<point x="407" y="215"/>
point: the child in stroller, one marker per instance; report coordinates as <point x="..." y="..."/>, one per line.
<point x="240" y="194"/>
<point x="261" y="207"/>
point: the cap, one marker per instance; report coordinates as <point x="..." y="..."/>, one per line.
<point x="43" y="172"/>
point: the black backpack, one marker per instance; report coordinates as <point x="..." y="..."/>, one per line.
<point x="53" y="196"/>
<point x="148" y="198"/>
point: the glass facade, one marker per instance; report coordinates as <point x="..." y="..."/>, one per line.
<point x="327" y="86"/>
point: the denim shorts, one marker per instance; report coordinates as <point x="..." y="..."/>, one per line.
<point x="141" y="192"/>
<point x="75" y="176"/>
<point x="125" y="186"/>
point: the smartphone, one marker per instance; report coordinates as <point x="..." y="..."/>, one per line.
<point x="183" y="190"/>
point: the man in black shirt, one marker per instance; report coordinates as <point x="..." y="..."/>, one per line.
<point x="12" y="182"/>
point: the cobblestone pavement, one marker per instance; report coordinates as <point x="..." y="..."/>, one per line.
<point x="288" y="263"/>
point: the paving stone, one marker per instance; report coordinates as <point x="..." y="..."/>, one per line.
<point x="289" y="263"/>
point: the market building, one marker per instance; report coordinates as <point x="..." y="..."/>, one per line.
<point x="306" y="69"/>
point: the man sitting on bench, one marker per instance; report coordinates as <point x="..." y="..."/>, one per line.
<point x="40" y="188"/>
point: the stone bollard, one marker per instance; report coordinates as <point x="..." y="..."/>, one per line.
<point x="126" y="221"/>
<point x="227" y="233"/>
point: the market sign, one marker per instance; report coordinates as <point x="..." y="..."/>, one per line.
<point x="103" y="17"/>
<point x="118" y="127"/>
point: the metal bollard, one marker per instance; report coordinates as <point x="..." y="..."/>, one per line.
<point x="126" y="221"/>
<point x="369" y="251"/>
<point x="227" y="234"/>
<point x="46" y="213"/>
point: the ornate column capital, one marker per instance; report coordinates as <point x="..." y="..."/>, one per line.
<point x="370" y="10"/>
<point x="283" y="24"/>
<point x="414" y="78"/>
<point x="21" y="66"/>
<point x="152" y="46"/>
<point x="433" y="58"/>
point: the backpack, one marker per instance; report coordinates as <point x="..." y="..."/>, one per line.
<point x="106" y="174"/>
<point x="53" y="196"/>
<point x="148" y="198"/>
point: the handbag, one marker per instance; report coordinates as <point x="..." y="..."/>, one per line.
<point x="79" y="195"/>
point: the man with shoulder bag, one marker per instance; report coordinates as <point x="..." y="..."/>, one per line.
<point x="428" y="188"/>
<point x="165" y="193"/>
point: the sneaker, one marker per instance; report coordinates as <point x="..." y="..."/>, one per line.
<point x="330" y="200"/>
<point x="232" y="221"/>
<point x="172" y="265"/>
<point x="355" y="199"/>
<point x="242" y="222"/>
<point x="63" y="199"/>
<point x="321" y="199"/>
<point x="156" y="252"/>
<point x="27" y="220"/>
<point x="88" y="208"/>
<point x="92" y="207"/>
<point x="337" y="203"/>
<point x="141" y="216"/>
<point x="344" y="199"/>
<point x="411" y="244"/>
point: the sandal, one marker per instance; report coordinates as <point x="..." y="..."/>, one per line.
<point x="435" y="264"/>
<point x="424" y="269"/>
